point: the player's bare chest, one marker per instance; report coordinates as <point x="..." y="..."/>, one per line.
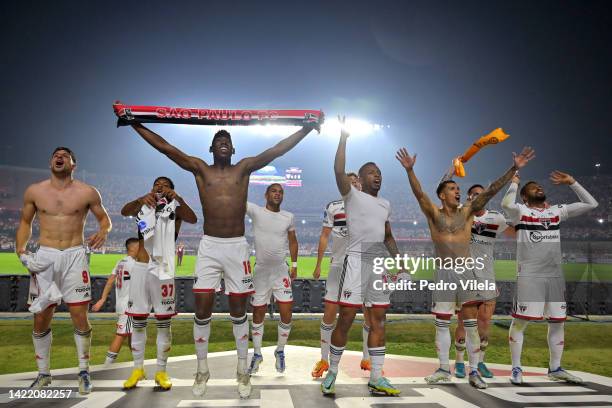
<point x="60" y="204"/>
<point x="455" y="224"/>
<point x="224" y="180"/>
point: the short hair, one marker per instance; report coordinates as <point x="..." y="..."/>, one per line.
<point x="273" y="184"/>
<point x="70" y="152"/>
<point x="352" y="174"/>
<point x="442" y="185"/>
<point x="165" y="178"/>
<point x="473" y="187"/>
<point x="361" y="169"/>
<point x="222" y="133"/>
<point x="524" y="188"/>
<point x="130" y="241"/>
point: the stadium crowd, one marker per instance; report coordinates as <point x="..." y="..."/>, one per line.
<point x="307" y="203"/>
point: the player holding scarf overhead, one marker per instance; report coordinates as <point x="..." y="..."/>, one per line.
<point x="160" y="214"/>
<point x="223" y="250"/>
<point x="540" y="283"/>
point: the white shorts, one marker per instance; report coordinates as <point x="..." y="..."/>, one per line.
<point x="272" y="280"/>
<point x="359" y="285"/>
<point x="540" y="297"/>
<point x="124" y="325"/>
<point x="331" y="284"/>
<point x="447" y="302"/>
<point x="67" y="269"/>
<point x="227" y="258"/>
<point x="148" y="292"/>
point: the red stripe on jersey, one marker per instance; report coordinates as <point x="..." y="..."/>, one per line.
<point x="527" y="218"/>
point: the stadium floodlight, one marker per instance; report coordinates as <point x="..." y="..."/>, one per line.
<point x="356" y="127"/>
<point x="600" y="220"/>
<point x="303" y="221"/>
<point x="415" y="222"/>
<point x="330" y="128"/>
<point x="598" y="165"/>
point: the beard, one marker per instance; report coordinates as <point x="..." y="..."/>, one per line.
<point x="538" y="198"/>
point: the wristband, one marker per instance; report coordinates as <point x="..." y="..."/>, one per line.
<point x="294" y="264"/>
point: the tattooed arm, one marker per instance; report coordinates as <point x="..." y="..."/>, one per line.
<point x="520" y="160"/>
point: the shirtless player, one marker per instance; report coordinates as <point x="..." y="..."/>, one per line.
<point x="59" y="268"/>
<point x="223" y="250"/>
<point x="451" y="228"/>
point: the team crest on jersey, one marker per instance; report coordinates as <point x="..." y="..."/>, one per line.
<point x="545" y="222"/>
<point x="347" y="294"/>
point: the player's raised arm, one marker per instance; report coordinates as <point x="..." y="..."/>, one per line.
<point x="186" y="162"/>
<point x="509" y="201"/>
<point x="264" y="158"/>
<point x="342" y="180"/>
<point x="519" y="161"/>
<point x="587" y="201"/>
<point x="95" y="206"/>
<point x="24" y="231"/>
<point x="407" y="161"/>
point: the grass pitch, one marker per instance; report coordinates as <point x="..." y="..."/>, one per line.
<point x="587" y="345"/>
<point x="505" y="270"/>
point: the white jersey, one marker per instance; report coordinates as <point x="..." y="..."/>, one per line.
<point x="157" y="228"/>
<point x="334" y="217"/>
<point x="485" y="231"/>
<point x="538" y="231"/>
<point x="270" y="229"/>
<point x="366" y="217"/>
<point x="122" y="283"/>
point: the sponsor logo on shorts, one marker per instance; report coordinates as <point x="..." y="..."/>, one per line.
<point x="82" y="289"/>
<point x="347" y="294"/>
<point x="130" y="303"/>
<point x="522" y="308"/>
<point x="142" y="224"/>
<point x="167" y="301"/>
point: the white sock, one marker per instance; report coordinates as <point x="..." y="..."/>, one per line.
<point x="139" y="340"/>
<point x="83" y="344"/>
<point x="377" y="359"/>
<point x="484" y="343"/>
<point x="335" y="354"/>
<point x="326" y="333"/>
<point x="283" y="335"/>
<point x="365" y="332"/>
<point x="443" y="342"/>
<point x="459" y="350"/>
<point x="472" y="342"/>
<point x="42" y="349"/>
<point x="201" y="334"/>
<point x="515" y="338"/>
<point x="164" y="343"/>
<point x="257" y="331"/>
<point x="240" y="326"/>
<point x="111" y="356"/>
<point x="556" y="341"/>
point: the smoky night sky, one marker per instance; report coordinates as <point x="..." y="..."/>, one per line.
<point x="440" y="74"/>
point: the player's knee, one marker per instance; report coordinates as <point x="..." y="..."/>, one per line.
<point x="460" y="344"/>
<point x="484" y="343"/>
